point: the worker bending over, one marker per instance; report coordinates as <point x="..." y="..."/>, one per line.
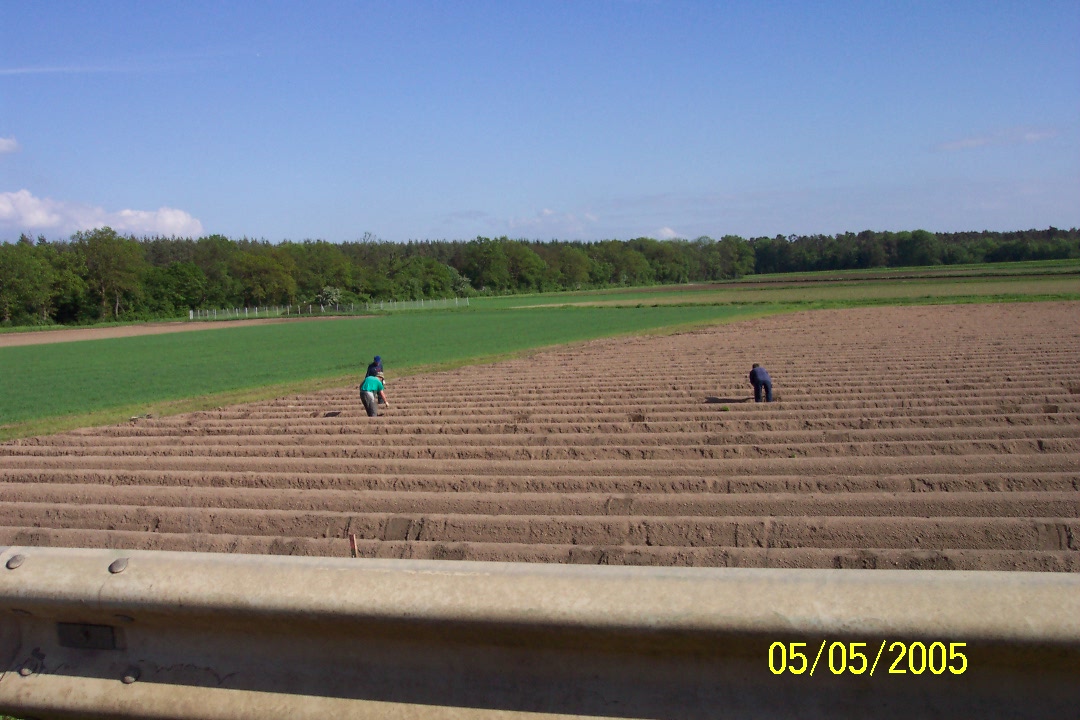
<point x="759" y="378"/>
<point x="373" y="392"/>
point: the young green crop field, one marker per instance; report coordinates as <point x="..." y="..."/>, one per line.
<point x="54" y="387"/>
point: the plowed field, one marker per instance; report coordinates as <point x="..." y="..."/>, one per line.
<point x="921" y="437"/>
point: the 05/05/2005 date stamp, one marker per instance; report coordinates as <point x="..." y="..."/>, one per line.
<point x="901" y="658"/>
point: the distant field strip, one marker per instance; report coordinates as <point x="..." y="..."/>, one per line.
<point x="44" y="381"/>
<point x="833" y="293"/>
<point x="1026" y="267"/>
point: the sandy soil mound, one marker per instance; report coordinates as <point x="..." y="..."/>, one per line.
<point x="926" y="437"/>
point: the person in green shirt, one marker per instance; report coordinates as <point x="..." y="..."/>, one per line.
<point x="373" y="392"/>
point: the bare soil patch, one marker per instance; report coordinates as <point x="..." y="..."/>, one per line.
<point x="944" y="437"/>
<point x="45" y="337"/>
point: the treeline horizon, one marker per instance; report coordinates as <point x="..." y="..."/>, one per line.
<point x="99" y="275"/>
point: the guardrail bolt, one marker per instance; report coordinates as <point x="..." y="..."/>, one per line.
<point x="15" y="561"/>
<point x="130" y="676"/>
<point x="118" y="565"/>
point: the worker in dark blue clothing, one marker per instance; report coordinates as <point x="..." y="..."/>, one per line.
<point x="759" y="378"/>
<point x="374" y="367"/>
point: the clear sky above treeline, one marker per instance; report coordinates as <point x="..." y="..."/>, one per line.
<point x="538" y="120"/>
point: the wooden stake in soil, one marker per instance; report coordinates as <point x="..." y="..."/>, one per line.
<point x="352" y="545"/>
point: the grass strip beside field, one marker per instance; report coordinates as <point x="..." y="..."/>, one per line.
<point x="848" y="294"/>
<point x="50" y="388"/>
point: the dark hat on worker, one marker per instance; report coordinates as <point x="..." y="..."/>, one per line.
<point x="378" y="358"/>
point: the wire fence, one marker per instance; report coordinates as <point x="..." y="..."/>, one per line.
<point x="437" y="304"/>
<point x="316" y="309"/>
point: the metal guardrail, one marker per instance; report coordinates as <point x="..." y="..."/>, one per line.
<point x="112" y="633"/>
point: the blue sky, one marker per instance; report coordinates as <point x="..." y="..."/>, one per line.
<point x="539" y="120"/>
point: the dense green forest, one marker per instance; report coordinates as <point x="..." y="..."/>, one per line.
<point x="100" y="275"/>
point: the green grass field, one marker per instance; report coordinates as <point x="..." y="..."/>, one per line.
<point x="53" y="387"/>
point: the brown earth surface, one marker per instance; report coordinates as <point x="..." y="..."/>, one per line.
<point x="921" y="437"/>
<point x="59" y="335"/>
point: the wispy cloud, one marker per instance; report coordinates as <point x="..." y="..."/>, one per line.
<point x="64" y="70"/>
<point x="1010" y="136"/>
<point x="139" y="64"/>
<point x="625" y="218"/>
<point x="466" y="216"/>
<point x="22" y="211"/>
<point x="8" y="145"/>
<point x="544" y="224"/>
<point x="550" y="223"/>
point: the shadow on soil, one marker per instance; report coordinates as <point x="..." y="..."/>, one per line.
<point x="714" y="399"/>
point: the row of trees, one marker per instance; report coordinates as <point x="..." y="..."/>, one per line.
<point x="100" y="274"/>
<point x="904" y="249"/>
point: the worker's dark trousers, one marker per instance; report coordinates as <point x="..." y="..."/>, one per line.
<point x="767" y="387"/>
<point x="371" y="403"/>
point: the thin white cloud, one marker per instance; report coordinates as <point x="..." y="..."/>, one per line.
<point x="964" y="144"/>
<point x="135" y="64"/>
<point x="466" y="215"/>
<point x="8" y="145"/>
<point x="1011" y="136"/>
<point x="62" y="70"/>
<point x="544" y="224"/>
<point x="22" y="211"/>
<point x="666" y="233"/>
<point x="549" y="223"/>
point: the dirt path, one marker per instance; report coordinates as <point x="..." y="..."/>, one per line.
<point x="44" y="337"/>
<point x="924" y="437"/>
